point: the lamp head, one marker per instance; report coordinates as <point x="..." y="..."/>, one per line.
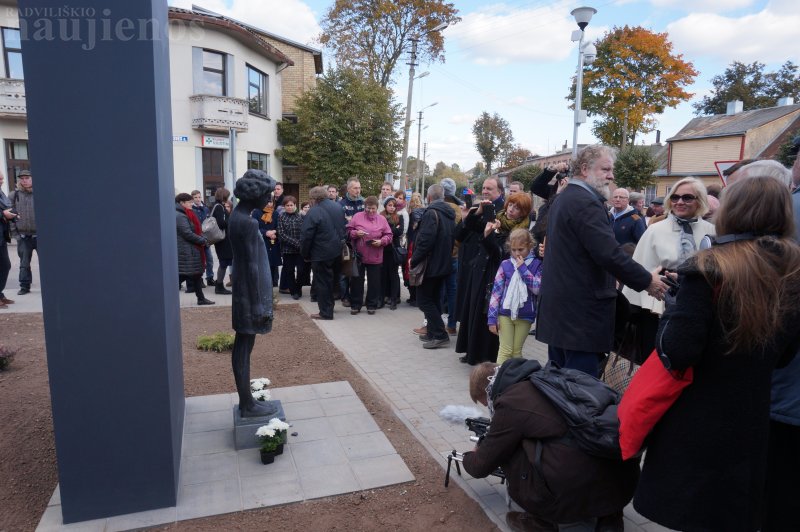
<point x="583" y="15"/>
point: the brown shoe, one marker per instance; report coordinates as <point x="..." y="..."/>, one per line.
<point x="6" y="301"/>
<point x="451" y="331"/>
<point x="422" y="331"/>
<point x="319" y="317"/>
<point x="3" y="305"/>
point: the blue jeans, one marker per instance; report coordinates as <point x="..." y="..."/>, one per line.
<point x="585" y="361"/>
<point x="25" y="248"/>
<point x="209" y="264"/>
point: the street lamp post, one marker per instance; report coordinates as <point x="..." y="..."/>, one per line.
<point x="582" y="16"/>
<point x="419" y="137"/>
<point x="407" y="126"/>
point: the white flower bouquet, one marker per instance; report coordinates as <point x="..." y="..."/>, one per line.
<point x="259" y="389"/>
<point x="272" y="434"/>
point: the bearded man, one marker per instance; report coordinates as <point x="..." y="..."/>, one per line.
<point x="583" y="259"/>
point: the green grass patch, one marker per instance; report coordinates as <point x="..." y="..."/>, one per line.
<point x="216" y="342"/>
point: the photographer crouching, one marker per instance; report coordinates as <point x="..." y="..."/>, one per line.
<point x="559" y="486"/>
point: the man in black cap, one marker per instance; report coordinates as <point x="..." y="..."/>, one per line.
<point x="24" y="228"/>
<point x="657" y="205"/>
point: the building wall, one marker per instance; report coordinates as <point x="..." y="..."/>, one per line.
<point x="298" y="78"/>
<point x="262" y="133"/>
<point x="665" y="184"/>
<point x="757" y="139"/>
<point x="697" y="156"/>
<point x="10" y="128"/>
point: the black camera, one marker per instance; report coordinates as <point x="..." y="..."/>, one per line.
<point x="479" y="426"/>
<point x="489" y="214"/>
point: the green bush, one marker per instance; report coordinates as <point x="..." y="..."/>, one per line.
<point x="6" y="357"/>
<point x="216" y="342"/>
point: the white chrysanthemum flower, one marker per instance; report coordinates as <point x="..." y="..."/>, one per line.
<point x="277" y="424"/>
<point x="262" y="395"/>
<point x="259" y="384"/>
<point x="265" y="431"/>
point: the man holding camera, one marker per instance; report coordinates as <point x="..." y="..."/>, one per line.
<point x="24" y="229"/>
<point x="582" y="261"/>
<point x="558" y="485"/>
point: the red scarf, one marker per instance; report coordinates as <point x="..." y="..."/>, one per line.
<point x="195" y="221"/>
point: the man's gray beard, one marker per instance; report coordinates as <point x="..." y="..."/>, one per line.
<point x="604" y="191"/>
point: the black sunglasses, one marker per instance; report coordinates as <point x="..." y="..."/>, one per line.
<point x="687" y="198"/>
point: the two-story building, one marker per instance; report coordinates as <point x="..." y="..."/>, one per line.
<point x="227" y="96"/>
<point x="734" y="136"/>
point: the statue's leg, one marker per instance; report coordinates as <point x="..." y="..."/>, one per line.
<point x="240" y="360"/>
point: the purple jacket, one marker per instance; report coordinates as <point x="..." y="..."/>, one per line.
<point x="377" y="228"/>
<point x="531" y="276"/>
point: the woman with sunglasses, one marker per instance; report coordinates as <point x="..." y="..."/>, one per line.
<point x="666" y="244"/>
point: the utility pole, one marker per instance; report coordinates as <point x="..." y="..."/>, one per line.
<point x="424" y="160"/>
<point x="411" y="64"/>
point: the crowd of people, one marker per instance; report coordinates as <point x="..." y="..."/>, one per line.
<point x="707" y="279"/>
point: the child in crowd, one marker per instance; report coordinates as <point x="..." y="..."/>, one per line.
<point x="512" y="307"/>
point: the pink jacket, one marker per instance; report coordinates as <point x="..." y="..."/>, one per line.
<point x="377" y="228"/>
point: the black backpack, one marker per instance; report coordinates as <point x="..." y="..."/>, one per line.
<point x="589" y="407"/>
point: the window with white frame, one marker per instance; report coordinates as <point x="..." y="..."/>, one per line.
<point x="12" y="53"/>
<point x="258" y="161"/>
<point x="257" y="91"/>
<point x="214" y="73"/>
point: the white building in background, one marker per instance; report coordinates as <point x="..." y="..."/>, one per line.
<point x="226" y="100"/>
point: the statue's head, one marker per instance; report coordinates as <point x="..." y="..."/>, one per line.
<point x="254" y="188"/>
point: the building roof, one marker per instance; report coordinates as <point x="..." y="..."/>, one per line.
<point x="727" y="125"/>
<point x="317" y="54"/>
<point x="243" y="33"/>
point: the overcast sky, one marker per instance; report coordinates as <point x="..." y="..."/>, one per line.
<point x="516" y="59"/>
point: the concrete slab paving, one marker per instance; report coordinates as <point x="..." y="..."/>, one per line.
<point x="331" y="455"/>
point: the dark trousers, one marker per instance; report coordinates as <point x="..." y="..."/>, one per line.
<point x="783" y="490"/>
<point x="325" y="271"/>
<point x="5" y="266"/>
<point x="292" y="273"/>
<point x="25" y="248"/>
<point x="450" y="293"/>
<point x="390" y="282"/>
<point x="372" y="272"/>
<point x="429" y="301"/>
<point x="585" y="361"/>
<point x="223" y="267"/>
<point x="194" y="282"/>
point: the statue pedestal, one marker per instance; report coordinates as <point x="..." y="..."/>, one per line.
<point x="245" y="427"/>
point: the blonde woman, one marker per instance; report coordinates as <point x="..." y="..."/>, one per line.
<point x="668" y="244"/>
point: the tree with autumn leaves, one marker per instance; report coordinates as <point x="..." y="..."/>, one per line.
<point x="634" y="77"/>
<point x="370" y="36"/>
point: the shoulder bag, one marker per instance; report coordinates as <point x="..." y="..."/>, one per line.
<point x="211" y="229"/>
<point x="417" y="273"/>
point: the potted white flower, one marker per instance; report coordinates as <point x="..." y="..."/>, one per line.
<point x="272" y="437"/>
<point x="259" y="389"/>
